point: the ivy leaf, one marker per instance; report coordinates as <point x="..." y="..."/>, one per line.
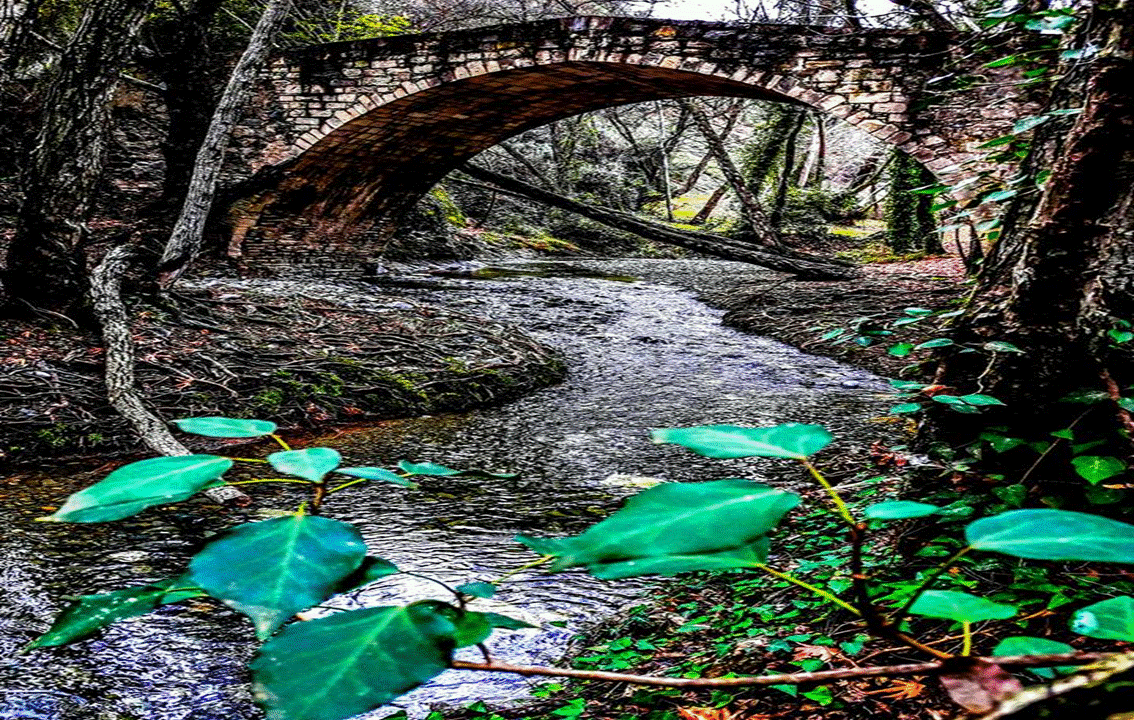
<point x="87" y="614"/>
<point x="477" y="589"/>
<point x="1111" y="619"/>
<point x="1025" y="124"/>
<point x="1120" y="336"/>
<point x="364" y="659"/>
<point x="372" y="568"/>
<point x="311" y="464"/>
<point x="377" y="473"/>
<point x="960" y="607"/>
<point x="791" y="440"/>
<point x="980" y="400"/>
<point x="132" y="488"/>
<point x="1096" y="468"/>
<point x="899" y="510"/>
<point x="934" y="343"/>
<point x="1045" y="534"/>
<point x="900" y="350"/>
<point x="271" y="570"/>
<point x="225" y="427"/>
<point x="675" y="520"/>
<point x="1024" y="645"/>
<point x="905" y="409"/>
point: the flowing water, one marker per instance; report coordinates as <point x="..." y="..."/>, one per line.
<point x="643" y="353"/>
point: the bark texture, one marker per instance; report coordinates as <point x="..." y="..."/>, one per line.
<point x="46" y="267"/>
<point x="802" y="265"/>
<point x="1072" y="276"/>
<point x="186" y="238"/>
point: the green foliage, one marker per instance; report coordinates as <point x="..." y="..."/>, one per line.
<point x="959" y="607"/>
<point x="909" y="216"/>
<point x="792" y="440"/>
<point x="349" y="662"/>
<point x="1107" y="620"/>
<point x="137" y="486"/>
<point x="1023" y="645"/>
<point x="362" y="659"/>
<point x="223" y="427"/>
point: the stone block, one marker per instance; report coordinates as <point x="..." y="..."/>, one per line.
<point x="868" y="98"/>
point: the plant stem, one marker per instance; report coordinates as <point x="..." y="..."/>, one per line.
<point x="528" y="566"/>
<point x="281" y="441"/>
<point x="346" y="485"/>
<point x="826" y="595"/>
<point x="822" y="676"/>
<point x="967" y="643"/>
<point x="268" y="480"/>
<point x="252" y="460"/>
<point x="840" y="506"/>
<point x="938" y="572"/>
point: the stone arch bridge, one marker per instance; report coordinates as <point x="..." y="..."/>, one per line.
<point x="342" y="139"/>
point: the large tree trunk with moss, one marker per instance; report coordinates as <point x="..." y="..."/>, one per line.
<point x="803" y="265"/>
<point x="1068" y="297"/>
<point x="46" y="267"/>
<point x="909" y="214"/>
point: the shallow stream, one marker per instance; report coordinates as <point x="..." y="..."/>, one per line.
<point x="643" y="353"/>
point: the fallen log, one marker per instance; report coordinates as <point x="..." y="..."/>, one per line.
<point x="803" y="265"/>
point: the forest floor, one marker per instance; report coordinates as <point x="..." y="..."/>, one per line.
<point x="300" y="353"/>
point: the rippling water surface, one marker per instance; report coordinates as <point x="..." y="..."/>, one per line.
<point x="643" y="353"/>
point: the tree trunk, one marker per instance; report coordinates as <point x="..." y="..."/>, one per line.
<point x="188" y="234"/>
<point x="779" y="205"/>
<point x="710" y="205"/>
<point x="730" y="122"/>
<point x="46" y="267"/>
<point x="1072" y="282"/>
<point x="804" y="266"/>
<point x="753" y="214"/>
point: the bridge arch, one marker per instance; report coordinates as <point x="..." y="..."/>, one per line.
<point x="350" y="135"/>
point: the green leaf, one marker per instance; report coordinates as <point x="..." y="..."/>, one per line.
<point x="1023" y="645"/>
<point x="1001" y="346"/>
<point x="948" y="400"/>
<point x="311" y="464"/>
<point x="362" y="659"/>
<point x="1120" y="336"/>
<point x="1111" y="619"/>
<point x="224" y="427"/>
<point x="1004" y="61"/>
<point x="905" y="409"/>
<point x="1025" y="124"/>
<point x="1126" y="404"/>
<point x="934" y="343"/>
<point x="999" y="195"/>
<point x="87" y="614"/>
<point x="959" y="607"/>
<point x="1002" y="443"/>
<point x="907" y="385"/>
<point x="139" y="485"/>
<point x="477" y="589"/>
<point x="980" y="400"/>
<point x="1096" y="468"/>
<point x="899" y="510"/>
<point x="372" y="568"/>
<point x="1046" y="534"/>
<point x="748" y="556"/>
<point x="900" y="350"/>
<point x="506" y="623"/>
<point x="377" y="473"/>
<point x="675" y="520"/>
<point x="429" y="468"/>
<point x="271" y="570"/>
<point x="791" y="440"/>
<point x="918" y="312"/>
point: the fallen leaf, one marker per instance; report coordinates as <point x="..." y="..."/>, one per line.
<point x="981" y="687"/>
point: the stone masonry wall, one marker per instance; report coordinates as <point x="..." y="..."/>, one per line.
<point x="342" y="139"/>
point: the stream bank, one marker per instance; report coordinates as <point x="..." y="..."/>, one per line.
<point x="304" y="354"/>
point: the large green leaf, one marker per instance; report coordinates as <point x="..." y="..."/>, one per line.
<point x="1096" y="468"/>
<point x="675" y="519"/>
<point x="1024" y="645"/>
<point x="748" y="556"/>
<point x="372" y="568"/>
<point x="311" y="464"/>
<point x="347" y="663"/>
<point x="959" y="606"/>
<point x="1111" y="619"/>
<point x="1054" y="535"/>
<point x="899" y="510"/>
<point x="88" y="614"/>
<point x="224" y="427"/>
<point x="377" y="473"/>
<point x="132" y="488"/>
<point x="271" y="570"/>
<point x="792" y="440"/>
